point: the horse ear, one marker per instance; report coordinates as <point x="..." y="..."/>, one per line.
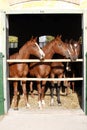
<point x="32" y="37"/>
<point x="71" y="41"/>
<point x="35" y="38"/>
<point x="59" y="36"/>
<point x="79" y="42"/>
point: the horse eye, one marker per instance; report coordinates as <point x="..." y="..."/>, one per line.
<point x="34" y="45"/>
<point x="60" y="44"/>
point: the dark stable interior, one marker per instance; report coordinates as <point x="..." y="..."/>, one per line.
<point x="27" y="25"/>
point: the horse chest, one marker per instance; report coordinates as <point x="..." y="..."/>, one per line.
<point x="40" y="70"/>
<point x="19" y="70"/>
<point x="45" y="70"/>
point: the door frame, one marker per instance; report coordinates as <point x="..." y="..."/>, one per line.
<point x="44" y="11"/>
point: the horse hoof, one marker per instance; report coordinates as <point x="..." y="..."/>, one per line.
<point x="59" y="104"/>
<point x="40" y="107"/>
<point x="28" y="105"/>
<point x="16" y="109"/>
<point x="43" y="103"/>
<point x="52" y="102"/>
<point x="39" y="104"/>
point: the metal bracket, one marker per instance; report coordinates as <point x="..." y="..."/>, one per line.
<point x="1" y="55"/>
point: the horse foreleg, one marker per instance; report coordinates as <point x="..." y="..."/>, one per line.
<point x="73" y="83"/>
<point x="31" y="89"/>
<point x="15" y="97"/>
<point x="43" y="92"/>
<point x="58" y="92"/>
<point x="68" y="86"/>
<point x="39" y="94"/>
<point x="52" y="94"/>
<point x="73" y="86"/>
<point x="25" y="93"/>
<point x="52" y="90"/>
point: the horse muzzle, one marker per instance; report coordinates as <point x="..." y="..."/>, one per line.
<point x="42" y="56"/>
<point x="73" y="58"/>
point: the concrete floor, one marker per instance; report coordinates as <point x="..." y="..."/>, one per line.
<point x="47" y="119"/>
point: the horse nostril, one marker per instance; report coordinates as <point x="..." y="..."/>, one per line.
<point x="74" y="58"/>
<point x="43" y="55"/>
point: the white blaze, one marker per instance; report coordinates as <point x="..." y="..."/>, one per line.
<point x="40" y="51"/>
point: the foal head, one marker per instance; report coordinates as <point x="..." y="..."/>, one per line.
<point x="67" y="50"/>
<point x="34" y="48"/>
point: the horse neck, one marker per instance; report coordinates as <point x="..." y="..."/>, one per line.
<point x="24" y="52"/>
<point x="48" y="50"/>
